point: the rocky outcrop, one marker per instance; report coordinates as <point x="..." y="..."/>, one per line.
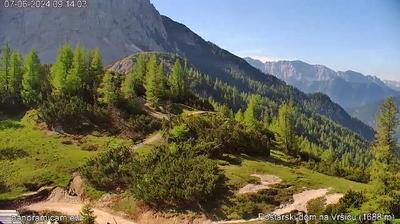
<point x="118" y="27"/>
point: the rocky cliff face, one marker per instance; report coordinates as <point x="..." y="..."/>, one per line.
<point x="118" y="27"/>
<point x="349" y="89"/>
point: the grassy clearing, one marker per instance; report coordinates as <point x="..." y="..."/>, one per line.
<point x="239" y="175"/>
<point x="43" y="158"/>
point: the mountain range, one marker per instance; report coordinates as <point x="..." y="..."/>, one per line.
<point x="350" y="89"/>
<point x="123" y="27"/>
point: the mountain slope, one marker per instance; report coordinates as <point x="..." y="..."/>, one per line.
<point x="137" y="26"/>
<point x="117" y="27"/>
<point x="349" y="88"/>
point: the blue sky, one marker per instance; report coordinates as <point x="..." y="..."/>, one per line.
<point x="360" y="35"/>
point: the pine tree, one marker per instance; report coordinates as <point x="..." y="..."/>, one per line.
<point x="249" y="116"/>
<point x="161" y="82"/>
<point x="77" y="79"/>
<point x="177" y="80"/>
<point x="285" y="129"/>
<point x="87" y="215"/>
<point x="95" y="71"/>
<point x="107" y="91"/>
<point x="151" y="80"/>
<point x="133" y="82"/>
<point x="31" y="79"/>
<point x="239" y="116"/>
<point x="15" y="77"/>
<point x="385" y="168"/>
<point x="4" y="73"/>
<point x="96" y="65"/>
<point x="60" y="69"/>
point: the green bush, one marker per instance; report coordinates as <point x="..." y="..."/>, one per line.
<point x="70" y="113"/>
<point x="174" y="177"/>
<point x="109" y="170"/>
<point x="220" y="135"/>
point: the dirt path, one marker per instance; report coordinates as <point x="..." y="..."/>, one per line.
<point x="266" y="182"/>
<point x="301" y="200"/>
<point x="102" y="217"/>
<point x="299" y="204"/>
<point x="148" y="141"/>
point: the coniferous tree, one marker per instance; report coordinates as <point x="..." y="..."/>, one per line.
<point x="31" y="79"/>
<point x="15" y="77"/>
<point x="95" y="71"/>
<point x="4" y="73"/>
<point x="134" y="80"/>
<point x="60" y="69"/>
<point x="249" y="116"/>
<point x="107" y="91"/>
<point x="151" y="80"/>
<point x="239" y="116"/>
<point x="177" y="80"/>
<point x="87" y="215"/>
<point x="285" y="132"/>
<point x="77" y="79"/>
<point x="385" y="168"/>
<point x="161" y="82"/>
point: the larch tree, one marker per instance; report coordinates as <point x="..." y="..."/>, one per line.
<point x="4" y="73"/>
<point x="151" y="80"/>
<point x="15" y="77"/>
<point x="239" y="116"/>
<point x="249" y="116"/>
<point x="286" y="138"/>
<point x="95" y="70"/>
<point x="31" y="79"/>
<point x="108" y="91"/>
<point x="385" y="168"/>
<point x="132" y="85"/>
<point x="177" y="81"/>
<point x="77" y="79"/>
<point x="60" y="69"/>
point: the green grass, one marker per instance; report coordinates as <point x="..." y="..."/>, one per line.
<point x="43" y="159"/>
<point x="239" y="175"/>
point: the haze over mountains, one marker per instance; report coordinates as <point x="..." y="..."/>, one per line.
<point x="350" y="89"/>
<point x="137" y="26"/>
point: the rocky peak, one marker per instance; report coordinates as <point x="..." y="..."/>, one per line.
<point x="119" y="27"/>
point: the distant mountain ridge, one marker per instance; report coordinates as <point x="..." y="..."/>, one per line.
<point x="349" y="89"/>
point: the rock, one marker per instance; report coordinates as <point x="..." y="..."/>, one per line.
<point x="77" y="186"/>
<point x="117" y="27"/>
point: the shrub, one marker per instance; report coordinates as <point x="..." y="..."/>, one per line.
<point x="225" y="135"/>
<point x="109" y="170"/>
<point x="174" y="178"/>
<point x="87" y="215"/>
<point x="72" y="113"/>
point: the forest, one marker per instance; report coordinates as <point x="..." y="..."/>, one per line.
<point x="78" y="94"/>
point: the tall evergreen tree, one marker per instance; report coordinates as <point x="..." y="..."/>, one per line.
<point x="285" y="129"/>
<point x="77" y="79"/>
<point x="61" y="68"/>
<point x="239" y="116"/>
<point x="249" y="116"/>
<point x="178" y="82"/>
<point x="4" y="73"/>
<point x="134" y="80"/>
<point x="31" y="79"/>
<point x="151" y="80"/>
<point x="108" y="91"/>
<point x="95" y="71"/>
<point x="385" y="168"/>
<point x="15" y="77"/>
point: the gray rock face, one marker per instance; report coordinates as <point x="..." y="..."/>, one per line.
<point x="349" y="89"/>
<point x="118" y="27"/>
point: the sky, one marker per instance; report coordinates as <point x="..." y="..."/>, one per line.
<point x="359" y="35"/>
